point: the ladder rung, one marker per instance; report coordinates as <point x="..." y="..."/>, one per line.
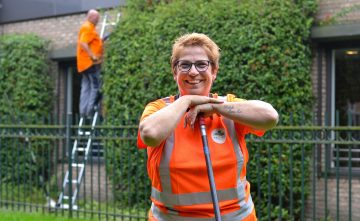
<point x="77" y="165"/>
<point x="66" y="197"/>
<point x="80" y="149"/>
<point x="84" y="133"/>
<point x="66" y="206"/>
<point x="73" y="181"/>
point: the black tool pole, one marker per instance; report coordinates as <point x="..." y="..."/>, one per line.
<point x="209" y="168"/>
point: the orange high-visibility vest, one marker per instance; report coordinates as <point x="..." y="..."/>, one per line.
<point x="177" y="169"/>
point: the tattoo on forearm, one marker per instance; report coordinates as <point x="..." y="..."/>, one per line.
<point x="231" y="109"/>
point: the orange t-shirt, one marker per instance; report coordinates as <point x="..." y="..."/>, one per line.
<point x="88" y="35"/>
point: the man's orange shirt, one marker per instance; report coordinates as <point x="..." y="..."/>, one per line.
<point x="88" y="35"/>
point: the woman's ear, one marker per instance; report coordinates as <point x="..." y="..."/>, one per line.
<point x="174" y="73"/>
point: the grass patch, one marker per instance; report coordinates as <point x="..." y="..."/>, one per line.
<point x="13" y="215"/>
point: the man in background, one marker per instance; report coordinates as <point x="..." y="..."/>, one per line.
<point x="89" y="58"/>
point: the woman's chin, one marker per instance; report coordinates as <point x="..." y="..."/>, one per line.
<point x="195" y="92"/>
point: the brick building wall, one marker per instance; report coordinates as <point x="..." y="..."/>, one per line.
<point x="331" y="8"/>
<point x="61" y="31"/>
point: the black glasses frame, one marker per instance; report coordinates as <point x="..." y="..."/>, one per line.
<point x="193" y="63"/>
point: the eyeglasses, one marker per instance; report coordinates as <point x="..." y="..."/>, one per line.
<point x="200" y="65"/>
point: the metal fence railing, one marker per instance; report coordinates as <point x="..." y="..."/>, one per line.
<point x="296" y="172"/>
<point x="322" y="170"/>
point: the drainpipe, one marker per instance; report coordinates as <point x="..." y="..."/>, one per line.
<point x="68" y="132"/>
<point x="319" y="98"/>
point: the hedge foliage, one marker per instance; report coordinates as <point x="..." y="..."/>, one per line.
<point x="25" y="83"/>
<point x="264" y="55"/>
<point x="25" y="89"/>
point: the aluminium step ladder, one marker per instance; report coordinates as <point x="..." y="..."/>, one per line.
<point x="82" y="146"/>
<point x="106" y="25"/>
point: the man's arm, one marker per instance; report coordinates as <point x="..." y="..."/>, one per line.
<point x="87" y="49"/>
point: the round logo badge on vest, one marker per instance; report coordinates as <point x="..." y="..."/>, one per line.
<point x="218" y="135"/>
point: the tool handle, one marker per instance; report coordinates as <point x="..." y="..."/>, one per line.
<point x="209" y="168"/>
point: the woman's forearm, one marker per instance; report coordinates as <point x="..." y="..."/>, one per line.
<point x="158" y="126"/>
<point x="254" y="113"/>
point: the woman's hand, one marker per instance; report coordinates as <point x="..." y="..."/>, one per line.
<point x="200" y="104"/>
<point x="194" y="100"/>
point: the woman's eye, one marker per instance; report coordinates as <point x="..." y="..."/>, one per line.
<point x="185" y="65"/>
<point x="201" y="65"/>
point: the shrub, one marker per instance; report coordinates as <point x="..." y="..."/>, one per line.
<point x="26" y="97"/>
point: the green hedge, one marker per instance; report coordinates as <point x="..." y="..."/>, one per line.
<point x="264" y="55"/>
<point x="26" y="96"/>
<point x="25" y="83"/>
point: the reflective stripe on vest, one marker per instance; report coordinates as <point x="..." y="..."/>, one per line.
<point x="171" y="216"/>
<point x="168" y="198"/>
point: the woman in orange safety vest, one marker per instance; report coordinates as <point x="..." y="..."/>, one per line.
<point x="169" y="130"/>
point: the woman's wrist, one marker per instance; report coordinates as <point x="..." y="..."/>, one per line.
<point x="185" y="100"/>
<point x="217" y="107"/>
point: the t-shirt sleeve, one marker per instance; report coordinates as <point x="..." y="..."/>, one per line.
<point x="150" y="108"/>
<point x="86" y="35"/>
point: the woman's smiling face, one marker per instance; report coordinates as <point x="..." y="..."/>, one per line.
<point x="194" y="82"/>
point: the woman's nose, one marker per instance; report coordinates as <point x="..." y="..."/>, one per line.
<point x="193" y="71"/>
